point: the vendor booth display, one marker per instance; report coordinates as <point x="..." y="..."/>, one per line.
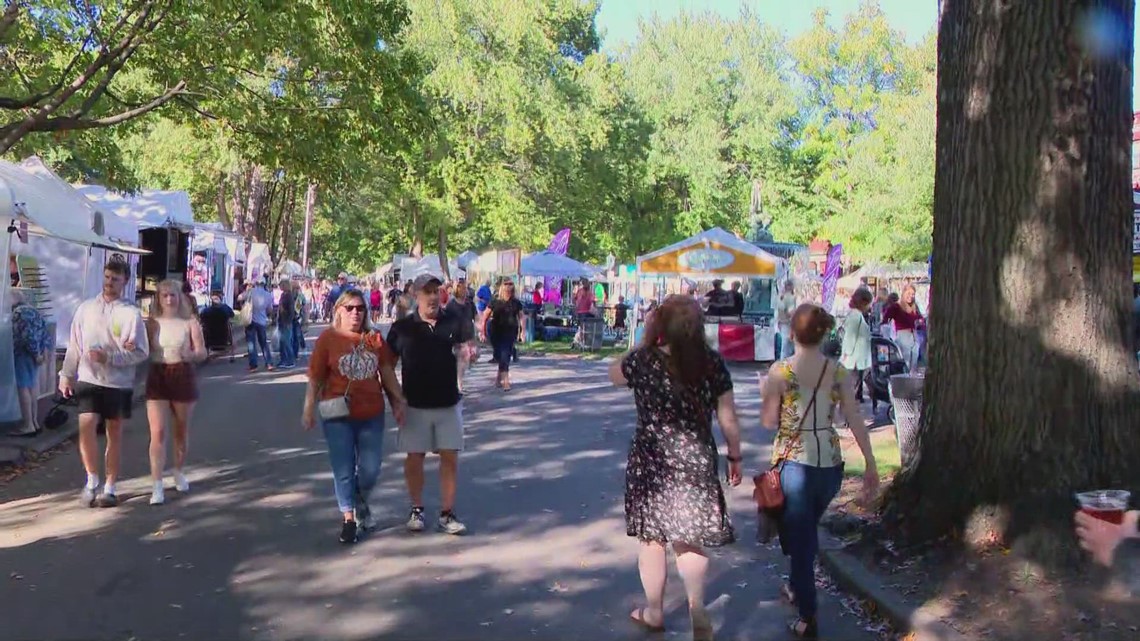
<point x="36" y="206"/>
<point x="716" y="254"/>
<point x="216" y="258"/>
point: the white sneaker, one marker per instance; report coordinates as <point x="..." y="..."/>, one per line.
<point x="416" y="520"/>
<point x="181" y="483"/>
<point x="451" y="524"/>
<point x="157" y="497"/>
<point x="87" y="496"/>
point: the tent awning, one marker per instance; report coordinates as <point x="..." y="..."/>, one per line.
<point x="148" y="209"/>
<point x="713" y="252"/>
<point x="548" y="263"/>
<point x="38" y="200"/>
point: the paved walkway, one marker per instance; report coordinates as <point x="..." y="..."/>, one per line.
<point x="251" y="552"/>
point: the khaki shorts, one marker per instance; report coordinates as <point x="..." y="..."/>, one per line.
<point x="431" y="430"/>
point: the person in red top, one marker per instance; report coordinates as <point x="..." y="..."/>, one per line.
<point x="537" y="297"/>
<point x="353" y="363"/>
<point x="907" y="318"/>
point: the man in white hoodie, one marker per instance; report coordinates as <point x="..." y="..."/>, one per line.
<point x="108" y="341"/>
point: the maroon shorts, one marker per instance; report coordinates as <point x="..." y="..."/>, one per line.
<point x="174" y="382"/>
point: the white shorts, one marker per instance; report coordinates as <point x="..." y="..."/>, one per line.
<point x="432" y="430"/>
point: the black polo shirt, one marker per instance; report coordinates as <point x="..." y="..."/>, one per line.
<point x="427" y="357"/>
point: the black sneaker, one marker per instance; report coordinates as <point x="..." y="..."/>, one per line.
<point x="348" y="532"/>
<point x="106" y="500"/>
<point x="451" y="524"/>
<point x="416" y="520"/>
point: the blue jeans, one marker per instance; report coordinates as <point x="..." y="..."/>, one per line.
<point x="298" y="338"/>
<point x="356" y="449"/>
<point x="807" y="492"/>
<point x="285" y="346"/>
<point x="254" y="336"/>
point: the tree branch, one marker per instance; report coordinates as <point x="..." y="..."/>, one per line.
<point x="8" y="18"/>
<point x="63" y="123"/>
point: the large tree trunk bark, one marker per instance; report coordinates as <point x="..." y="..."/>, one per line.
<point x="220" y="203"/>
<point x="310" y="207"/>
<point x="417" y="248"/>
<point x="1033" y="390"/>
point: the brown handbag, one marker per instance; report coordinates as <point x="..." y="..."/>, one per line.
<point x="768" y="493"/>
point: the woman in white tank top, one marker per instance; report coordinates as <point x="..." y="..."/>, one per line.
<point x="177" y="345"/>
<point x="800" y="396"/>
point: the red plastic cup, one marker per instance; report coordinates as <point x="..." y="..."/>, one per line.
<point x="1106" y="505"/>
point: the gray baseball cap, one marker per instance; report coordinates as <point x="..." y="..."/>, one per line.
<point x="424" y="280"/>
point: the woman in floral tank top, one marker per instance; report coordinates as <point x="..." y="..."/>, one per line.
<point x="799" y="400"/>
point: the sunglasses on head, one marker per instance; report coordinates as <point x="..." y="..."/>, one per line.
<point x="353" y="308"/>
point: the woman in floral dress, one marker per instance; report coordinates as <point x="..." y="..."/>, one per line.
<point x="799" y="400"/>
<point x="673" y="494"/>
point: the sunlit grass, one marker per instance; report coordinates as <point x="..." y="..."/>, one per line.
<point x="886" y="449"/>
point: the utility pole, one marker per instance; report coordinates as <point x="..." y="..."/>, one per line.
<point x="310" y="205"/>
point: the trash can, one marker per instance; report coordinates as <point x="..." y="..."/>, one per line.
<point x="593" y="330"/>
<point x="906" y="401"/>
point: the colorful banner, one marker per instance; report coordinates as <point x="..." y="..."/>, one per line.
<point x="552" y="287"/>
<point x="831" y="275"/>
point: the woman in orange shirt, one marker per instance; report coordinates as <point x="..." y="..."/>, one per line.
<point x="349" y="371"/>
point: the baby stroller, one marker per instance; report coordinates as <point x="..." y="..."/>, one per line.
<point x="216" y="330"/>
<point x="886" y="361"/>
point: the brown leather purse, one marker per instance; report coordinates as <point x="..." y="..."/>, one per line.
<point x="768" y="493"/>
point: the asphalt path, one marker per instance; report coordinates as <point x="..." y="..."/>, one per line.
<point x="251" y="551"/>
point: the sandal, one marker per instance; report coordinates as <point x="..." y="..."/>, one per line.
<point x="702" y="626"/>
<point x="804" y="628"/>
<point x="638" y="617"/>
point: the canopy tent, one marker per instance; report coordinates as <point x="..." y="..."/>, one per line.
<point x="885" y="271"/>
<point x="466" y="258"/>
<point x="258" y="265"/>
<point x="290" y="269"/>
<point x="413" y="268"/>
<point x="547" y="263"/>
<point x="711" y="253"/>
<point x="150" y="208"/>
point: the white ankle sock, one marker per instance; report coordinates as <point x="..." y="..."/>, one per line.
<point x="109" y="487"/>
<point x="158" y="485"/>
<point x="92" y="481"/>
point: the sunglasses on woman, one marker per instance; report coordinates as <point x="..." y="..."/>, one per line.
<point x="353" y="308"/>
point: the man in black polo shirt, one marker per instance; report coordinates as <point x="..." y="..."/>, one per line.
<point x="430" y="344"/>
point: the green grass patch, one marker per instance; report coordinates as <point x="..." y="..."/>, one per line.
<point x="542" y="348"/>
<point x="885" y="447"/>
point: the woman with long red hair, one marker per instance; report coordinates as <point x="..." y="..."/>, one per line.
<point x="673" y="495"/>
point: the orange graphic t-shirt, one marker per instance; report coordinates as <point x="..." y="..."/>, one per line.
<point x="340" y="359"/>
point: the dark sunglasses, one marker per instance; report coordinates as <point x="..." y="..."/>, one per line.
<point x="353" y="308"/>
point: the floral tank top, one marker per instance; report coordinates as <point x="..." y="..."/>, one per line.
<point x="810" y="440"/>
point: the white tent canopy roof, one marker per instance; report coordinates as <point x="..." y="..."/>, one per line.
<point x="289" y="269"/>
<point x="412" y="268"/>
<point x="50" y="207"/>
<point x="150" y="208"/>
<point x="548" y="263"/>
<point x="466" y="258"/>
<point x="113" y="228"/>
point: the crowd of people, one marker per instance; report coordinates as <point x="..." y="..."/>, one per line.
<point x="674" y="498"/>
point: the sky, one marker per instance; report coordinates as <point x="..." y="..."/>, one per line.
<point x="617" y="19"/>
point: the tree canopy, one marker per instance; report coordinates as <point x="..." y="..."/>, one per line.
<point x="427" y="125"/>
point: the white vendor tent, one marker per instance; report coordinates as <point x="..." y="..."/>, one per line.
<point x="290" y="269"/>
<point x="72" y="273"/>
<point x="550" y="264"/>
<point x="35" y="207"/>
<point x="149" y="208"/>
<point x="258" y="265"/>
<point x="714" y="253"/>
<point x="466" y="258"/>
<point x="412" y="268"/>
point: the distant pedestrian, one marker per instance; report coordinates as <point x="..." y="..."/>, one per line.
<point x="856" y="351"/>
<point x="176" y="345"/>
<point x="31" y="342"/>
<point x="907" y="319"/>
<point x="108" y="340"/>
<point x="349" y="371"/>
<point x="462" y="306"/>
<point x="430" y="343"/>
<point x="504" y="319"/>
<point x="673" y="495"/>
<point x="260" y="302"/>
<point x="286" y="315"/>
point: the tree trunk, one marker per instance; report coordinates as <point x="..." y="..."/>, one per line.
<point x="310" y="207"/>
<point x="220" y="202"/>
<point x="1032" y="391"/>
<point x="443" y="251"/>
<point x="417" y="248"/>
<point x="256" y="193"/>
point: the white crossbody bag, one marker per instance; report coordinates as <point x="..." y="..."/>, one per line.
<point x="337" y="407"/>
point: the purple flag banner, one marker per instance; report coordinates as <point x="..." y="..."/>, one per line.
<point x="831" y="275"/>
<point x="552" y="287"/>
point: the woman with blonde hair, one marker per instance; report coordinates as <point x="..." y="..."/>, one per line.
<point x="506" y="321"/>
<point x="908" y="320"/>
<point x="176" y="345"/>
<point x="673" y="494"/>
<point x="350" y="370"/>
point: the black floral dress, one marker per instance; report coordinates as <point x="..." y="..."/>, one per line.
<point x="672" y="487"/>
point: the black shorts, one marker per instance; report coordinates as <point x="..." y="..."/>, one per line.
<point x="108" y="402"/>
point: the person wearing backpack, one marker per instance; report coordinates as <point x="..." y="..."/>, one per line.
<point x="30" y="342"/>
